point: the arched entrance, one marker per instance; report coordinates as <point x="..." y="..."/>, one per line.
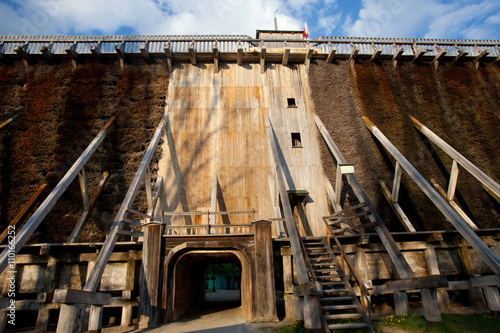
<point x="187" y="286"/>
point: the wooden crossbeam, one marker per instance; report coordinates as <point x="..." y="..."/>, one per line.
<point x="482" y="249"/>
<point x="419" y="53"/>
<point x="42" y="211"/>
<point x="480" y="57"/>
<point x="405" y="221"/>
<point x="460" y="55"/>
<point x="71" y="296"/>
<point x="422" y="282"/>
<point x="354" y="53"/>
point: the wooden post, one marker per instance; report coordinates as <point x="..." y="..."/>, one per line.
<point x="3" y="320"/>
<point x="265" y="296"/>
<point x="450" y="194"/>
<point x="263" y="52"/>
<point x="95" y="320"/>
<point x="126" y="320"/>
<point x="68" y="318"/>
<point x="286" y="253"/>
<point x="433" y="269"/>
<point x="401" y="306"/>
<point x="150" y="276"/>
<point x="239" y="55"/>
<point x="215" y="51"/>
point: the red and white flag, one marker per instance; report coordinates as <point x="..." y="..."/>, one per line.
<point x="306" y="31"/>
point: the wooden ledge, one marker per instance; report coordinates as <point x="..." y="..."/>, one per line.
<point x="485" y="281"/>
<point x="70" y="296"/>
<point x="424" y="282"/>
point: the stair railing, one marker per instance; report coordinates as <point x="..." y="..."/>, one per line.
<point x="364" y="294"/>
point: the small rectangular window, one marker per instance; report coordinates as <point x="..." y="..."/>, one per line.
<point x="296" y="141"/>
<point x="291" y="102"/>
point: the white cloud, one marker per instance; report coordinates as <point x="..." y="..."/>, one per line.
<point x="426" y="18"/>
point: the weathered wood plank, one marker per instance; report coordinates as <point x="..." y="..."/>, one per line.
<point x="405" y="221"/>
<point x="485" y="281"/>
<point x="70" y="296"/>
<point x="431" y="281"/>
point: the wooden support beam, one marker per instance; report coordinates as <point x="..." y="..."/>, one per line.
<point x="42" y="211"/>
<point x="144" y="48"/>
<point x="485" y="281"/>
<point x="496" y="60"/>
<point x="81" y="222"/>
<point x="309" y="54"/>
<point x="213" y="202"/>
<point x="96" y="50"/>
<point x="47" y="51"/>
<point x="8" y="121"/>
<point x="480" y="57"/>
<point x="2" y="44"/>
<point x="438" y="57"/>
<point x="376" y="55"/>
<point x="147" y="186"/>
<point x="460" y="55"/>
<point x="465" y="163"/>
<point x="331" y="55"/>
<point x="263" y="52"/>
<point x="402" y="267"/>
<point x="21" y="51"/>
<point x="418" y="54"/>
<point x="82" y="179"/>
<point x="452" y="185"/>
<point x="71" y="51"/>
<point x="405" y="221"/>
<point x="120" y="50"/>
<point x="398" y="52"/>
<point x="215" y="52"/>
<point x="24" y="210"/>
<point x="474" y="240"/>
<point x="397" y="183"/>
<point x="168" y="54"/>
<point x="286" y="54"/>
<point x="239" y="54"/>
<point x="354" y="53"/>
<point x="192" y="53"/>
<point x="70" y="296"/>
<point x="453" y="204"/>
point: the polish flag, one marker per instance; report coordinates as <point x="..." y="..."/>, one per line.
<point x="306" y="31"/>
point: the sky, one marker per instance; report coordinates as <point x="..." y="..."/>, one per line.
<point x="459" y="19"/>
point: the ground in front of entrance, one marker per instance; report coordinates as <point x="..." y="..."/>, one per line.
<point x="220" y="314"/>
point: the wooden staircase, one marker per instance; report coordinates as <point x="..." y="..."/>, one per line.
<point x="340" y="307"/>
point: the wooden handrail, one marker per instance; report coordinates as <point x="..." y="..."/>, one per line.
<point x="308" y="262"/>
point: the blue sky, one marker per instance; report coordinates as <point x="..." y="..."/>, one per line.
<point x="461" y="19"/>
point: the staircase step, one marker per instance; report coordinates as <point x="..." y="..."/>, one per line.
<point x="324" y="264"/>
<point x="343" y="316"/>
<point x="336" y="283"/>
<point x="329" y="276"/>
<point x="337" y="299"/>
<point x="311" y="243"/>
<point x="347" y="326"/>
<point x="325" y="270"/>
<point x="318" y="254"/>
<point x="338" y="291"/>
<point x="339" y="307"/>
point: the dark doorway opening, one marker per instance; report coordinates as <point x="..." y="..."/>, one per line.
<point x="207" y="282"/>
